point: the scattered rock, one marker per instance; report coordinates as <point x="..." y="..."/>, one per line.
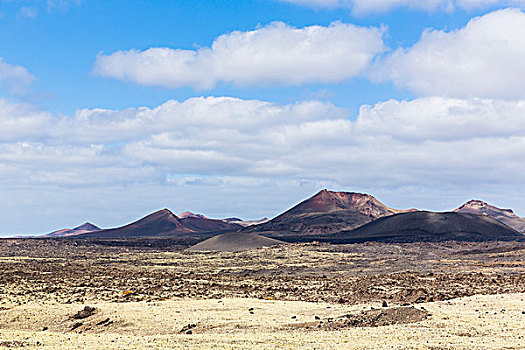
<point x="45" y="329"/>
<point x="13" y="344"/>
<point x="188" y="328"/>
<point x="104" y="322"/>
<point x="377" y="317"/>
<point x="385" y="304"/>
<point x="370" y="318"/>
<point x="85" y="313"/>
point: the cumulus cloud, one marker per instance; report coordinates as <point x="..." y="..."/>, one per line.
<point x="273" y="54"/>
<point x="246" y="154"/>
<point x="371" y="6"/>
<point x="21" y="121"/>
<point x="486" y="58"/>
<point x="16" y="78"/>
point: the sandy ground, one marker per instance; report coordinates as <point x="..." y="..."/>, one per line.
<point x="477" y="322"/>
<point x="152" y="295"/>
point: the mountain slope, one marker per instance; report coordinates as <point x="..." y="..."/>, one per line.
<point x="234" y="242"/>
<point x="200" y="224"/>
<point x="325" y="213"/>
<point x="159" y="223"/>
<point x="164" y="223"/>
<point x="84" y="228"/>
<point x="422" y="226"/>
<point x="506" y="216"/>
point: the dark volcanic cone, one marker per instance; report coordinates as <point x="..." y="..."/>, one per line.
<point x="234" y="242"/>
<point x="422" y="226"/>
<point x="506" y="216"/>
<point x="87" y="226"/>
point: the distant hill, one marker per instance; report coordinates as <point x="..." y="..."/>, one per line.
<point x="234" y="242"/>
<point x="246" y="223"/>
<point x="189" y="214"/>
<point x="422" y="226"/>
<point x="84" y="228"/>
<point x="164" y="223"/>
<point x="325" y="213"/>
<point x="506" y="216"/>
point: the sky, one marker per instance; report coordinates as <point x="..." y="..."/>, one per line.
<point x="110" y="110"/>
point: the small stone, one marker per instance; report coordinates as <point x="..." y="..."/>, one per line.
<point x="317" y="317"/>
<point x="385" y="304"/>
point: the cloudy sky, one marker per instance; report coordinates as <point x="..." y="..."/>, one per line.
<point x="110" y="110"/>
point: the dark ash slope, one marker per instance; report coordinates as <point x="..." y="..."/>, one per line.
<point x="234" y="242"/>
<point x="422" y="226"/>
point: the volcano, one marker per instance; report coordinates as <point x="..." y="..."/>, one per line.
<point x="79" y="230"/>
<point x="423" y="226"/>
<point x="506" y="216"/>
<point x="234" y="242"/>
<point x="164" y="223"/>
<point x="325" y="213"/>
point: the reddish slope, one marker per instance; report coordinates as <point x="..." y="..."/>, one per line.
<point x="506" y="216"/>
<point x="84" y="228"/>
<point x="325" y="213"/>
<point x="200" y="224"/>
<point x="328" y="201"/>
<point x="164" y="223"/>
<point x="159" y="223"/>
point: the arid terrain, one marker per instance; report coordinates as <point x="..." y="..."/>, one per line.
<point x="152" y="293"/>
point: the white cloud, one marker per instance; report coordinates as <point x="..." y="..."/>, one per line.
<point x="486" y="58"/>
<point x="257" y="158"/>
<point x="21" y="121"/>
<point x="373" y="6"/>
<point x="274" y="54"/>
<point x="15" y="78"/>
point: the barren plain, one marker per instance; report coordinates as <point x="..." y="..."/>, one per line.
<point x="153" y="294"/>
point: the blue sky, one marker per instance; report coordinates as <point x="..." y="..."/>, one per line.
<point x="112" y="109"/>
<point x="59" y="46"/>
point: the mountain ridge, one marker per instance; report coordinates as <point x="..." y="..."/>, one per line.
<point x="507" y="216"/>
